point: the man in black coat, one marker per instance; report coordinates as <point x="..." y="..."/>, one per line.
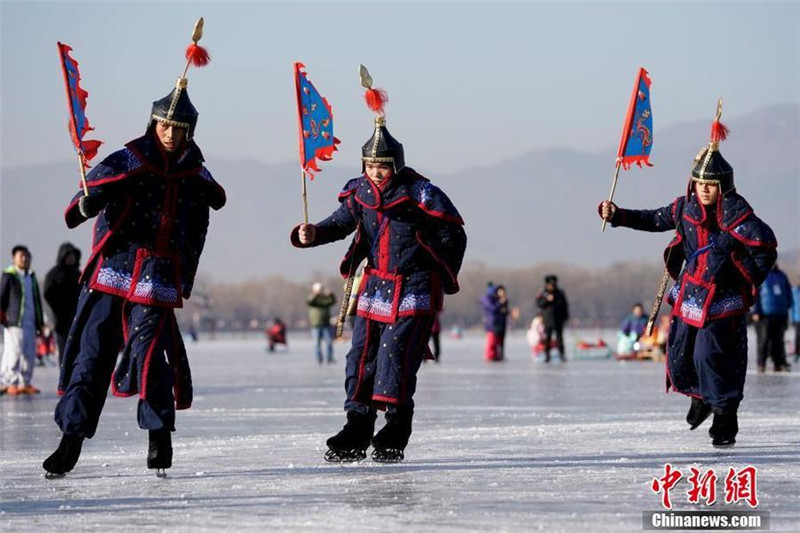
<point x="61" y="291"/>
<point x="555" y="311"/>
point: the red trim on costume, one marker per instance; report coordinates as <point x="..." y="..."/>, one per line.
<point x="167" y="217"/>
<point x="384" y="241"/>
<point x="125" y="338"/>
<point x="749" y="242"/>
<point x="742" y="269"/>
<point x="710" y="287"/>
<point x="365" y="204"/>
<point x="112" y="179"/>
<point x="362" y="361"/>
<point x="141" y="255"/>
<point x="97" y="248"/>
<point x="436" y="258"/>
<point x="397" y="286"/>
<point x="694" y="220"/>
<point x="736" y="222"/>
<point x="415" y="312"/>
<point x="148" y="358"/>
<point x="385" y="399"/>
<point x="440" y="215"/>
<point x="397" y="202"/>
<point x="165" y="158"/>
<point x="176" y="367"/>
<point x="702" y="259"/>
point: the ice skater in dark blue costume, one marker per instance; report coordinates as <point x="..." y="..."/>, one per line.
<point x="720" y="254"/>
<point x="412" y="238"/>
<point x="152" y="201"/>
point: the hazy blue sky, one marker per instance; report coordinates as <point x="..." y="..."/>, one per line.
<point x="469" y="83"/>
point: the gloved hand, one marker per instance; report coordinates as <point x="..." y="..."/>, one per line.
<point x="90" y="206"/>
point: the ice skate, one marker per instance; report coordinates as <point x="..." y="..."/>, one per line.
<point x="351" y="443"/>
<point x="391" y="441"/>
<point x="65" y="457"/>
<point x="723" y="430"/>
<point x="159" y="452"/>
<point x="699" y="411"/>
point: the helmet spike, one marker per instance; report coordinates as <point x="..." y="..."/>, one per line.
<point x="196" y="55"/>
<point x="376" y="98"/>
<point x="719" y="131"/>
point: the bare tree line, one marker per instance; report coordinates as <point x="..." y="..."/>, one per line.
<point x="598" y="297"/>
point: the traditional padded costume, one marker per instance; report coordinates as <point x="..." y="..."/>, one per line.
<point x="152" y="217"/>
<point x="719" y="256"/>
<point x="411" y="236"/>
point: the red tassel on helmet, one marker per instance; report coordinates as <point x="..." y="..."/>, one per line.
<point x="719" y="131"/>
<point x="376" y="99"/>
<point x="197" y="55"/>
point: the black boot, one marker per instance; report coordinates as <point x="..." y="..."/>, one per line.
<point x="351" y="443"/>
<point x="699" y="411"/>
<point x="724" y="429"/>
<point x="64" y="458"/>
<point x="392" y="439"/>
<point x="159" y="450"/>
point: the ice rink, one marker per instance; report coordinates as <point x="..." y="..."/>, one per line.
<point x="511" y="446"/>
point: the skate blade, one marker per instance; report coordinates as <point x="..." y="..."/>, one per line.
<point x="51" y="475"/>
<point x="161" y="473"/>
<point x="724" y="446"/>
<point x="388" y="456"/>
<point x="333" y="456"/>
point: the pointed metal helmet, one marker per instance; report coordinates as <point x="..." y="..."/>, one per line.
<point x="176" y="108"/>
<point x="382" y="147"/>
<point x="709" y="166"/>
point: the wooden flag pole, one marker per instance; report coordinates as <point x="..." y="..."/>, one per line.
<point x="651" y="320"/>
<point x="305" y="199"/>
<point x="82" y="164"/>
<point x="348" y="290"/>
<point x="611" y="196"/>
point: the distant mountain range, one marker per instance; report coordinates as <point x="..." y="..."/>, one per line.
<point x="539" y="206"/>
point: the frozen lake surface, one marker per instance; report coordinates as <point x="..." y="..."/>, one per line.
<point x="511" y="446"/>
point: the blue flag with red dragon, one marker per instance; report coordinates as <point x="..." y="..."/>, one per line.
<point x="76" y="98"/>
<point x="637" y="135"/>
<point x="316" y="123"/>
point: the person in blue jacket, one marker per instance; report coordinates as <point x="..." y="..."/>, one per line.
<point x="720" y="254"/>
<point x="635" y="322"/>
<point x="796" y="320"/>
<point x="412" y="237"/>
<point x="771" y="317"/>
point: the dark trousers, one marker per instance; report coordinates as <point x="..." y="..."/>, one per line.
<point x="383" y="361"/>
<point x="770" y="331"/>
<point x="709" y="362"/>
<point x="558" y="331"/>
<point x="797" y="340"/>
<point x="90" y="355"/>
<point x="62" y="332"/>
